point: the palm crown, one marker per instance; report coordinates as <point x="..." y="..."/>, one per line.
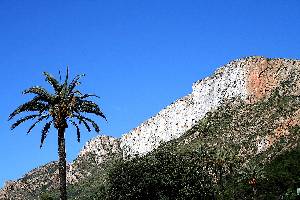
<point x="65" y="105"/>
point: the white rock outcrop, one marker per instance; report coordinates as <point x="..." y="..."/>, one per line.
<point x="171" y="122"/>
<point x="99" y="150"/>
<point x="250" y="79"/>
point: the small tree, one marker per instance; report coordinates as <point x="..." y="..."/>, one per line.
<point x="65" y="106"/>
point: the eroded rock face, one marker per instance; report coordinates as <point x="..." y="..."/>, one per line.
<point x="251" y="79"/>
<point x="281" y="132"/>
<point x="25" y="188"/>
<point x="175" y="119"/>
<point x="264" y="75"/>
<point x="94" y="153"/>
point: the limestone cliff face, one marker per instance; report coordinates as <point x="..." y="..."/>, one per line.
<point x="251" y="79"/>
<point x="94" y="153"/>
<point x="175" y="119"/>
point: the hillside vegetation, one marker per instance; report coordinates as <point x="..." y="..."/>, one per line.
<point x="221" y="157"/>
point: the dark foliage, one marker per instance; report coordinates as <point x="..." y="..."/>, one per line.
<point x="168" y="174"/>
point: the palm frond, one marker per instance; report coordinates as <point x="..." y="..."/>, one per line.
<point x="38" y="120"/>
<point x="77" y="129"/>
<point x="45" y="132"/>
<point x="85" y="124"/>
<point x="40" y="91"/>
<point x="59" y="75"/>
<point x="67" y="76"/>
<point x="74" y="83"/>
<point x="32" y="105"/>
<point x="23" y="119"/>
<point x="88" y="95"/>
<point x="64" y="89"/>
<point x="91" y="107"/>
<point x="95" y="125"/>
<point x="77" y="92"/>
<point x="53" y="82"/>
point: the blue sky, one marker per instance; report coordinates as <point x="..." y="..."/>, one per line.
<point x="139" y="56"/>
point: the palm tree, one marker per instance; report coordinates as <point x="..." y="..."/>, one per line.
<point x="65" y="106"/>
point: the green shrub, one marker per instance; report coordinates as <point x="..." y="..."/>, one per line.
<point x="168" y="174"/>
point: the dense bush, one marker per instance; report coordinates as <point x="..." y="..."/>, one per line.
<point x="171" y="173"/>
<point x="168" y="174"/>
<point x="281" y="177"/>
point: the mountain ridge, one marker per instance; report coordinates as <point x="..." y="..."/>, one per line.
<point x="251" y="79"/>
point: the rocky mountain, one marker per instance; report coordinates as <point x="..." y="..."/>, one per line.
<point x="251" y="79"/>
<point x="94" y="155"/>
<point x="248" y="109"/>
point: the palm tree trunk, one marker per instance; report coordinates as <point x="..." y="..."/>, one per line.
<point x="62" y="164"/>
